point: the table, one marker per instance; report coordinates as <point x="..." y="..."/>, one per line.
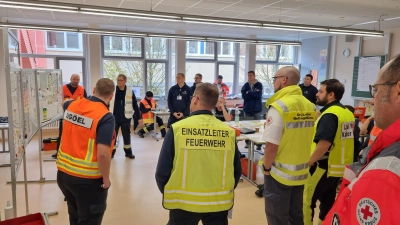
<point x="157" y="113"/>
<point x="3" y="128"/>
<point x="254" y="139"/>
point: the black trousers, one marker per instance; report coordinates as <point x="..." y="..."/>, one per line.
<point x="150" y="126"/>
<point x="126" y="135"/>
<point x="182" y="217"/>
<point x="135" y="123"/>
<point x="86" y="199"/>
<point x="283" y="204"/>
<point x="325" y="192"/>
<point x="60" y="127"/>
<point x="172" y="119"/>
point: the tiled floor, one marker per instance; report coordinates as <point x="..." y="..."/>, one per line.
<point x="133" y="197"/>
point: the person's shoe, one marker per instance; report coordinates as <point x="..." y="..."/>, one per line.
<point x="246" y="145"/>
<point x="163" y="132"/>
<point x="242" y="156"/>
<point x="140" y="133"/>
<point x="258" y="147"/>
<point x="54" y="155"/>
<point x="131" y="156"/>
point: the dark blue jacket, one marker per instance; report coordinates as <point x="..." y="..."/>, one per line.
<point x="167" y="154"/>
<point x="253" y="99"/>
<point x="119" y="106"/>
<point x="175" y="105"/>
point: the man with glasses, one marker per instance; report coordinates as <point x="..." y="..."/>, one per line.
<point x="288" y="133"/>
<point x="179" y="100"/>
<point x="123" y="106"/>
<point x="373" y="197"/>
<point x="199" y="165"/>
<point x="197" y="80"/>
<point x="332" y="150"/>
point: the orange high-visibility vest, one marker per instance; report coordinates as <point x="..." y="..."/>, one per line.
<point x="149" y="116"/>
<point x="77" y="155"/>
<point x="374" y="133"/>
<point x="78" y="94"/>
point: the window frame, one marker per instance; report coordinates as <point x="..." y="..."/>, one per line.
<point x="199" y="51"/>
<point x="65" y="49"/>
<point x="145" y="61"/>
<point x="142" y="43"/>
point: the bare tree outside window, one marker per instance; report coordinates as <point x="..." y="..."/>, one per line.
<point x="155" y="49"/>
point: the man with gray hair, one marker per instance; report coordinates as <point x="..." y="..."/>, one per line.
<point x="199" y="164"/>
<point x="373" y="196"/>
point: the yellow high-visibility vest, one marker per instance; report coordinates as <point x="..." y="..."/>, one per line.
<point x="298" y="114"/>
<point x="202" y="178"/>
<point x="342" y="149"/>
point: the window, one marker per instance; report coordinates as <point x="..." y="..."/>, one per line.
<point x="200" y="50"/>
<point x="156" y="48"/>
<point x="64" y="40"/>
<point x="226" y="51"/>
<point x="266" y="52"/>
<point x="148" y="73"/>
<point x="132" y="69"/>
<point x="264" y="73"/>
<point x="122" y="46"/>
<point x="206" y="69"/>
<point x="286" y="54"/>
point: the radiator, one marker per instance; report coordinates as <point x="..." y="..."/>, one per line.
<point x="52" y="126"/>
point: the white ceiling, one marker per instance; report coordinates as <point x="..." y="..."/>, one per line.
<point x="334" y="13"/>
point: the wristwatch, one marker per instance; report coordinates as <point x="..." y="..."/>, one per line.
<point x="265" y="169"/>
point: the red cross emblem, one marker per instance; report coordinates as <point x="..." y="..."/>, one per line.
<point x="366" y="212"/>
<point x="269" y="120"/>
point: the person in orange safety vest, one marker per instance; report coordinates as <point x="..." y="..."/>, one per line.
<point x="146" y="106"/>
<point x="84" y="156"/>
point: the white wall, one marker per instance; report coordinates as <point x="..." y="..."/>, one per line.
<point x="342" y="67"/>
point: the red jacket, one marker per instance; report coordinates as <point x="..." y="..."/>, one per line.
<point x="373" y="197"/>
<point x="224" y="87"/>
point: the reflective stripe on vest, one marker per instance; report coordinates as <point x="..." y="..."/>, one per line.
<point x="203" y="176"/>
<point x="149" y="116"/>
<point x="77" y="154"/>
<point x="287" y="176"/>
<point x="298" y="116"/>
<point x="342" y="149"/>
<point x="388" y="163"/>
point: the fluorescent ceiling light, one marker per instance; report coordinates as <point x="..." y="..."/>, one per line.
<point x="129" y="13"/>
<point x="33" y="27"/>
<point x="394" y="18"/>
<point x="129" y="16"/>
<point x="37" y="4"/>
<point x="297" y="27"/>
<point x="38" y="8"/>
<point x="114" y="32"/>
<point x="150" y="15"/>
<point x="358" y="24"/>
<point x="221" y="21"/>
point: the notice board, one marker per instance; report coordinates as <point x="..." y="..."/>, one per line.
<point x="365" y="72"/>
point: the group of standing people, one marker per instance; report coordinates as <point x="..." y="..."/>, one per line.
<point x="305" y="154"/>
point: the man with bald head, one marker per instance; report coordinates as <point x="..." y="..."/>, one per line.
<point x="288" y="134"/>
<point x="71" y="91"/>
<point x="332" y="150"/>
<point x="373" y="196"/>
